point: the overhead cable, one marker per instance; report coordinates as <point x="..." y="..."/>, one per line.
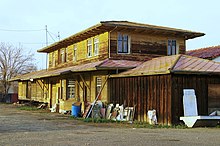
<point x="20" y="30"/>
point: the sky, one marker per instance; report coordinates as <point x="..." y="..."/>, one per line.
<point x="22" y="23"/>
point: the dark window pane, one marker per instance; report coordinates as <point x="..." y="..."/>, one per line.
<point x="173" y="50"/>
<point x="119" y="37"/>
<point x="125" y="37"/>
<point x="125" y="49"/>
<point x="119" y="46"/>
<point x="171" y="47"/>
<point x="169" y="50"/>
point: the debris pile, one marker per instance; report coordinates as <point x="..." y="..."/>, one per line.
<point x="110" y="112"/>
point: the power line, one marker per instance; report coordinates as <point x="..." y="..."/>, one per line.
<point x="20" y="30"/>
<point x="51" y="36"/>
<point x="37" y="43"/>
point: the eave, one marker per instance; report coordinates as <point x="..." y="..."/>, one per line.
<point x="107" y="26"/>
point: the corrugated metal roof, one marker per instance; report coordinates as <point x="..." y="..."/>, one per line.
<point x="106" y="26"/>
<point x="160" y="65"/>
<point x="196" y="65"/>
<point x="205" y="53"/>
<point x="119" y="64"/>
<point x="176" y="64"/>
<point x="104" y="64"/>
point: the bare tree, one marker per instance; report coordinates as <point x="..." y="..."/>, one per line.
<point x="13" y="61"/>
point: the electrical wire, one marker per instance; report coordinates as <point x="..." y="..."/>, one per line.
<point x="51" y="36"/>
<point x="16" y="30"/>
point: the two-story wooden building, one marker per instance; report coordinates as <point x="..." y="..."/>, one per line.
<point x="78" y="66"/>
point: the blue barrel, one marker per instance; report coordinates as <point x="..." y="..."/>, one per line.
<point x="76" y="110"/>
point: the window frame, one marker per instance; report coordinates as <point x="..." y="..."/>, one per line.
<point x="74" y="53"/>
<point x="123" y="43"/>
<point x="62" y="56"/>
<point x="89" y="48"/>
<point x="172" y="47"/>
<point x="98" y="81"/>
<point x="71" y="89"/>
<point x="53" y="63"/>
<point x="96" y="46"/>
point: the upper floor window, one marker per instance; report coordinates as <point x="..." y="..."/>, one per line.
<point x="96" y="46"/>
<point x="53" y="59"/>
<point x="123" y="43"/>
<point x="172" y="47"/>
<point x="66" y="54"/>
<point x="74" y="53"/>
<point x="62" y="56"/>
<point x="89" y="48"/>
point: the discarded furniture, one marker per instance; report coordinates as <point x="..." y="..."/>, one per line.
<point x="54" y="108"/>
<point x="191" y="117"/>
<point x="152" y="118"/>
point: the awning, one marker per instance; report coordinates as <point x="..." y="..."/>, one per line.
<point x="106" y="64"/>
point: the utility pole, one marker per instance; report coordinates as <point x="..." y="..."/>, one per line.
<point x="46" y="46"/>
<point x="58" y="36"/>
<point x="46" y="35"/>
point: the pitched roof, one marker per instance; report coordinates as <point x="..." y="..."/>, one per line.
<point x="205" y="53"/>
<point x="105" y="26"/>
<point x="93" y="66"/>
<point x="118" y="64"/>
<point x="183" y="64"/>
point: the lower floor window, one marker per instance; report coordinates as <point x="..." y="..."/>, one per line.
<point x="71" y="89"/>
<point x="98" y="86"/>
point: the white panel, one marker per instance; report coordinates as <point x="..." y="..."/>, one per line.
<point x="190" y="103"/>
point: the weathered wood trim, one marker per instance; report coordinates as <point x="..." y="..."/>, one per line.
<point x="84" y="82"/>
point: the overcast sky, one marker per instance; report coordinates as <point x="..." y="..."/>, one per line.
<point x="71" y="16"/>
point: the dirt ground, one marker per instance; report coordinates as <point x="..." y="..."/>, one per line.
<point x="19" y="127"/>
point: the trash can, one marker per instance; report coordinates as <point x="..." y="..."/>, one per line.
<point x="76" y="109"/>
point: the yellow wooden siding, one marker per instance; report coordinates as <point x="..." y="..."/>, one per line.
<point x="81" y="53"/>
<point x="90" y="80"/>
<point x="22" y="90"/>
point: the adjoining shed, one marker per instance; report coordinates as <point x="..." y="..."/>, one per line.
<point x="158" y="84"/>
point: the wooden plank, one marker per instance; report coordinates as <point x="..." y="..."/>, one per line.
<point x="149" y="107"/>
<point x="169" y="110"/>
<point x="158" y="93"/>
<point x="165" y="101"/>
<point x="135" y="96"/>
<point x="85" y="82"/>
<point x="161" y="110"/>
<point x="145" y="98"/>
<point x="142" y="98"/>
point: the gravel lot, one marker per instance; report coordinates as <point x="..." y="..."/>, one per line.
<point x="18" y="127"/>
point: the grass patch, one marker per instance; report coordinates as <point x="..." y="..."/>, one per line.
<point x="28" y="108"/>
<point x="135" y="124"/>
<point x="91" y="120"/>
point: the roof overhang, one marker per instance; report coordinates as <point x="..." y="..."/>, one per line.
<point x="107" y="26"/>
<point x="106" y="64"/>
